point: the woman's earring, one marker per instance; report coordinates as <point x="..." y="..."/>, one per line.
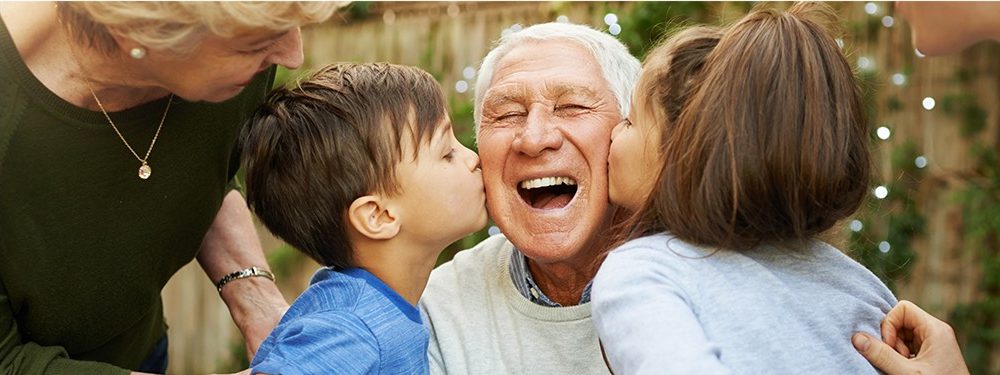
<point x="137" y="53"/>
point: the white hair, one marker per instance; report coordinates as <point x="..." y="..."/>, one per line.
<point x="619" y="67"/>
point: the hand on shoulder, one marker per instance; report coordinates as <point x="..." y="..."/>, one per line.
<point x="915" y="343"/>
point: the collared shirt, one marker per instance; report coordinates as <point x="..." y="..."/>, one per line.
<point x="525" y="284"/>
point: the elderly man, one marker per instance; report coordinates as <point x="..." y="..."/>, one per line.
<point x="547" y="98"/>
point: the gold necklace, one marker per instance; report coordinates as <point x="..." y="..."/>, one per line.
<point x="144" y="169"/>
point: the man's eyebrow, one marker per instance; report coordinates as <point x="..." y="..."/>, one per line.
<point x="561" y="90"/>
<point x="505" y="94"/>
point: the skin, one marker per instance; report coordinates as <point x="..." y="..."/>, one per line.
<point x="399" y="237"/>
<point x="634" y="156"/>
<point x="942" y="28"/>
<point x="218" y="70"/>
<point x="908" y="329"/>
<point x="542" y="119"/>
<point x="442" y="200"/>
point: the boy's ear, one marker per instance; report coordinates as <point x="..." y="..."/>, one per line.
<point x="370" y="217"/>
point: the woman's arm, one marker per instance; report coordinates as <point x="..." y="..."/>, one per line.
<point x="19" y="357"/>
<point x="231" y="244"/>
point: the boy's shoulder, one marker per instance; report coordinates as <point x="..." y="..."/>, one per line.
<point x="329" y="290"/>
<point x="352" y="291"/>
<point x="342" y="316"/>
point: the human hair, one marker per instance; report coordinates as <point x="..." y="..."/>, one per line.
<point x="619" y="67"/>
<point x="670" y="73"/>
<point x="179" y="26"/>
<point x="314" y="147"/>
<point x="770" y="143"/>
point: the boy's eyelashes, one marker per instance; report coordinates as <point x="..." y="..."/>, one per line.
<point x="450" y="155"/>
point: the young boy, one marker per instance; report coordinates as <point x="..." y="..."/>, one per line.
<point x="358" y="167"/>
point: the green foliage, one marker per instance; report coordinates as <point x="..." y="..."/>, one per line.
<point x="648" y="22"/>
<point x="283" y="260"/>
<point x="894" y="104"/>
<point x="898" y="220"/>
<point x="978" y="322"/>
<point x="965" y="106"/>
<point x="356" y="10"/>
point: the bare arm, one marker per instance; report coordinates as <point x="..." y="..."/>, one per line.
<point x="231" y="244"/>
<point x="915" y="343"/>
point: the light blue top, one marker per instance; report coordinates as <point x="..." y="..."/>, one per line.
<point x="662" y="306"/>
<point x="346" y="322"/>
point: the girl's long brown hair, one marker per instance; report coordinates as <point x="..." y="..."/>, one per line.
<point x="764" y="135"/>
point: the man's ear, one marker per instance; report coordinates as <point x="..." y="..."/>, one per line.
<point x="370" y="217"/>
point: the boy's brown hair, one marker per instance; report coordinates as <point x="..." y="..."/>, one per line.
<point x="313" y="148"/>
<point x="765" y="139"/>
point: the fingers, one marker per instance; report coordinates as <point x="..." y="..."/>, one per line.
<point x="890" y="328"/>
<point x="879" y="354"/>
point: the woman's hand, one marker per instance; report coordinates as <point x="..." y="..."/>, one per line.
<point x="915" y="343"/>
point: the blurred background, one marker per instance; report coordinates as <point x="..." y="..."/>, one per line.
<point x="930" y="229"/>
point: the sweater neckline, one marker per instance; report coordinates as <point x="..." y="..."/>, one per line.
<point x="524" y="306"/>
<point x="140" y="115"/>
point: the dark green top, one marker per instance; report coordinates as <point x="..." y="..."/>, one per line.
<point x="85" y="245"/>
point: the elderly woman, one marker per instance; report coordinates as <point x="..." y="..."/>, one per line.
<point x="117" y="135"/>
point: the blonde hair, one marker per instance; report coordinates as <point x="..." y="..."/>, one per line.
<point x="179" y="26"/>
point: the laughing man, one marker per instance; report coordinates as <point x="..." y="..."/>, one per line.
<point x="547" y="98"/>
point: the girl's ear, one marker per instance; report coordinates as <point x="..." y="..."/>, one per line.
<point x="370" y="216"/>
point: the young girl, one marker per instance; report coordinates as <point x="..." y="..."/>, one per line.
<point x="743" y="145"/>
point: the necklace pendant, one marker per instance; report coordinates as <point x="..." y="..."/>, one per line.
<point x="145" y="171"/>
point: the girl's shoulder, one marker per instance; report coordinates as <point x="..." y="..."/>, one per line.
<point x="662" y="244"/>
<point x="661" y="256"/>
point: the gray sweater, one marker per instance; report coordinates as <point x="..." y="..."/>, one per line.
<point x="480" y="324"/>
<point x="662" y="306"/>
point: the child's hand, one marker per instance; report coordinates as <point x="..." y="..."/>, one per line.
<point x="923" y="344"/>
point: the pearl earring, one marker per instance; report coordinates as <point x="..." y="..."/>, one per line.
<point x="137" y="53"/>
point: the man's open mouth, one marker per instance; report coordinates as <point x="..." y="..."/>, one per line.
<point x="547" y="192"/>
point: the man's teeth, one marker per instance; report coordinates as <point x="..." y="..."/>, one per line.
<point x="546" y="181"/>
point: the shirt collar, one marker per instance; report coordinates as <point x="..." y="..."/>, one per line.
<point x="525" y="284"/>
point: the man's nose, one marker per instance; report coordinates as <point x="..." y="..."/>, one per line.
<point x="537" y="135"/>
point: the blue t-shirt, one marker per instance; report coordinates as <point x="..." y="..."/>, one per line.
<point x="347" y="322"/>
